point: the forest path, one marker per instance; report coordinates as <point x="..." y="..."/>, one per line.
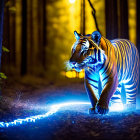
<point x="73" y="122"/>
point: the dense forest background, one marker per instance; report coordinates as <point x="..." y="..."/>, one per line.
<point x="39" y="33"/>
<point x="37" y="40"/>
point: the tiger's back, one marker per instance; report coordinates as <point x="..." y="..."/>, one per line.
<point x="127" y="60"/>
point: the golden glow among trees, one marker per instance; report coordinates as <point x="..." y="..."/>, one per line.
<point x="71" y="1"/>
<point x="50" y="34"/>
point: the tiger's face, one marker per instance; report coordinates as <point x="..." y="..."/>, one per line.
<point x="85" y="53"/>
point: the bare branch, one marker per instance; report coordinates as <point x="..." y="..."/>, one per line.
<point x="94" y="15"/>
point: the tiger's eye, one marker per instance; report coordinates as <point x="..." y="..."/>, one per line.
<point x="90" y="46"/>
<point x="88" y="52"/>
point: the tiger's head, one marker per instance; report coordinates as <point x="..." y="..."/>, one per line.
<point x="86" y="52"/>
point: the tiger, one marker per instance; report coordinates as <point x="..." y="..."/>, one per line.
<point x="113" y="63"/>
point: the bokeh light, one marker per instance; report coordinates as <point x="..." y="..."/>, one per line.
<point x="71" y="1"/>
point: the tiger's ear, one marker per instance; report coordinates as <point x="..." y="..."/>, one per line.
<point x="77" y="36"/>
<point x="96" y="37"/>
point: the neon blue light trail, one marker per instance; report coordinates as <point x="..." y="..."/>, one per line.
<point x="53" y="109"/>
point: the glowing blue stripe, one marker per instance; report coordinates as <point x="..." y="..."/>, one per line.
<point x="53" y="109"/>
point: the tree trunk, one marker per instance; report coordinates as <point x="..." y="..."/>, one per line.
<point x="138" y="43"/>
<point x="42" y="32"/>
<point x="35" y="38"/>
<point x="5" y="60"/>
<point x="138" y="25"/>
<point x="111" y="19"/>
<point x="29" y="37"/>
<point x="12" y="36"/>
<point x="124" y="19"/>
<point x="82" y="23"/>
<point x="1" y="26"/>
<point x="24" y="38"/>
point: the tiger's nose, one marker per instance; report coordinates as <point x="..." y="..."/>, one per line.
<point x="73" y="63"/>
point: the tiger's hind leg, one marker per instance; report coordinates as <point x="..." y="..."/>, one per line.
<point x="131" y="91"/>
<point x="116" y="101"/>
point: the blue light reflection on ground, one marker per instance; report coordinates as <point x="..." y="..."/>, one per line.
<point x="53" y="109"/>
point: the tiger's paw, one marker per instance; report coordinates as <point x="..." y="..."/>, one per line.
<point x="130" y="107"/>
<point x="102" y="110"/>
<point x="93" y="111"/>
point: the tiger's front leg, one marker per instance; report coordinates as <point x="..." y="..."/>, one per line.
<point x="92" y="96"/>
<point x="91" y="85"/>
<point x="110" y="79"/>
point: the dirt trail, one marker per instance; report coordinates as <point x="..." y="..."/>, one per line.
<point x="73" y="123"/>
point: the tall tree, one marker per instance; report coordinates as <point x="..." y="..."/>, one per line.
<point x="138" y="40"/>
<point x="12" y="36"/>
<point x="82" y="22"/>
<point x="124" y="19"/>
<point x="24" y="38"/>
<point x="111" y="19"/>
<point x="1" y="26"/>
<point x="42" y="32"/>
<point x="5" y="60"/>
<point x="138" y="25"/>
